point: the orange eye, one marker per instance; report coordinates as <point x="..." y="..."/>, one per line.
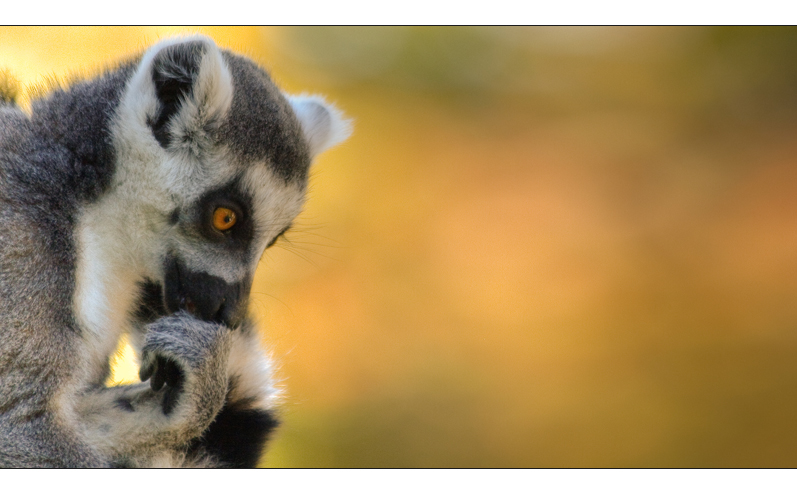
<point x="223" y="219"/>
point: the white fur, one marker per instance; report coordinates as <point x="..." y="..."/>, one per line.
<point x="105" y="289"/>
<point x="212" y="97"/>
<point x="252" y="370"/>
<point x="323" y="125"/>
<point x="275" y="205"/>
<point x="211" y="100"/>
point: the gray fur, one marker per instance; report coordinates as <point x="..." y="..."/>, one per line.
<point x="104" y="193"/>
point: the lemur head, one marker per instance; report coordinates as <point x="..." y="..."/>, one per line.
<point x="212" y="164"/>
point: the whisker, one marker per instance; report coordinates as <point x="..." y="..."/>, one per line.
<point x="263" y="305"/>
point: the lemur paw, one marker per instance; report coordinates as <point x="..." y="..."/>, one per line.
<point x="164" y="370"/>
<point x="189" y="357"/>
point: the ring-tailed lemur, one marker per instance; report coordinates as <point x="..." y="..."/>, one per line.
<point x="140" y="202"/>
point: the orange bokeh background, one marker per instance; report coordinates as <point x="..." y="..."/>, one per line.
<point x="542" y="247"/>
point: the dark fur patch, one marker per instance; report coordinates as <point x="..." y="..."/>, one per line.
<point x="150" y="304"/>
<point x="238" y="436"/>
<point x="174" y="72"/>
<point x="204" y="296"/>
<point x="261" y="124"/>
<point x="125" y="404"/>
<point x="231" y="196"/>
<point x="174" y="217"/>
<point x="78" y="120"/>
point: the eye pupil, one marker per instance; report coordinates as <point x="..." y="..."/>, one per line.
<point x="223" y="219"/>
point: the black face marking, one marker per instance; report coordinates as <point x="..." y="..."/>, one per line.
<point x="174" y="71"/>
<point x="205" y="296"/>
<point x="230" y="196"/>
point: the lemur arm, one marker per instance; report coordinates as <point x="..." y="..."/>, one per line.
<point x="219" y="414"/>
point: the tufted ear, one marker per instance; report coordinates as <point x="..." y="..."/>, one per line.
<point x="323" y="125"/>
<point x="192" y="88"/>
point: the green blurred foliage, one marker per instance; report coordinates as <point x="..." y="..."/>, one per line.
<point x="567" y="246"/>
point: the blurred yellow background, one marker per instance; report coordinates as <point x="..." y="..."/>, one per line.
<point x="542" y="247"/>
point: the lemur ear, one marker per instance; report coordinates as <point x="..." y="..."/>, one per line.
<point x="193" y="89"/>
<point x="323" y="124"/>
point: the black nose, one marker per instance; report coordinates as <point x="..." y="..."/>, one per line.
<point x="207" y="297"/>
